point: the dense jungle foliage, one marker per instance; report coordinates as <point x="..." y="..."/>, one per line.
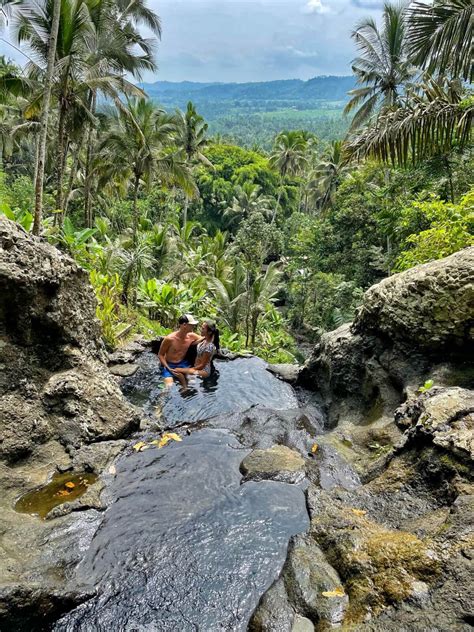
<point x="277" y="245"/>
<point x="252" y="114"/>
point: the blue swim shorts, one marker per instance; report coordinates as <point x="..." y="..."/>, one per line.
<point x="184" y="364"/>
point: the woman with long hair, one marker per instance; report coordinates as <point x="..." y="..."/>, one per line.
<point x="205" y="351"/>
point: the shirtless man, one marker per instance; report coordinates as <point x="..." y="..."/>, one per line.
<point x="174" y="347"/>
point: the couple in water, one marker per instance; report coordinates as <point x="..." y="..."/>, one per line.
<point x="174" y="349"/>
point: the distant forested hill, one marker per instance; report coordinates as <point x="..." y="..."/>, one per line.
<point x="329" y="88"/>
<point x="252" y="113"/>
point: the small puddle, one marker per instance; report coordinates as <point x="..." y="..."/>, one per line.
<point x="63" y="488"/>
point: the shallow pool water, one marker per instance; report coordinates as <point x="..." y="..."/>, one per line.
<point x="184" y="544"/>
<point x="234" y="386"/>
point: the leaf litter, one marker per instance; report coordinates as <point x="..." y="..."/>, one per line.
<point x="157" y="443"/>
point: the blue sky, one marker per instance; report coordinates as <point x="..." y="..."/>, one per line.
<point x="254" y="40"/>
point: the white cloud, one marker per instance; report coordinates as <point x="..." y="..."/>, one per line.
<point x="315" y="6"/>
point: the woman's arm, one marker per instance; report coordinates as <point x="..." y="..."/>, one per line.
<point x="203" y="362"/>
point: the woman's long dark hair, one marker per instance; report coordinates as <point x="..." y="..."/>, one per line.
<point x="212" y="328"/>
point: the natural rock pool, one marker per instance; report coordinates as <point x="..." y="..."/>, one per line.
<point x="233" y="387"/>
<point x="184" y="544"/>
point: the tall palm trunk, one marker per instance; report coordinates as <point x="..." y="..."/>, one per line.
<point x="88" y="176"/>
<point x="185" y="210"/>
<point x="450" y="177"/>
<point x="72" y="175"/>
<point x="61" y="157"/>
<point x="53" y="38"/>
<point x="277" y="204"/>
<point x="135" y="206"/>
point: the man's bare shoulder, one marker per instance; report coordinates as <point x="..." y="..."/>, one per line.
<point x="170" y="336"/>
<point x="192" y="336"/>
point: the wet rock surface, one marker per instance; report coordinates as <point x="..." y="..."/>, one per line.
<point x="277" y="463"/>
<point x="261" y="427"/>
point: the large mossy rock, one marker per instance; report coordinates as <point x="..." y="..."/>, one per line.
<point x="409" y="326"/>
<point x="442" y="416"/>
<point x="430" y="306"/>
<point x="278" y="463"/>
<point x="54" y="384"/>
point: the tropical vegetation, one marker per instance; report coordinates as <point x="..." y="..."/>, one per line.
<point x="279" y="245"/>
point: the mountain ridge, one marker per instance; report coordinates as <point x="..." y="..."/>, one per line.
<point x="324" y="87"/>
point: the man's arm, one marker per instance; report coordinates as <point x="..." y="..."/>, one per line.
<point x="165" y="345"/>
<point x="195" y="337"/>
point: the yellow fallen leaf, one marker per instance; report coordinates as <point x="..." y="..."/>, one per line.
<point x="167" y="437"/>
<point x="314" y="448"/>
<point x="69" y="485"/>
<point x="174" y="436"/>
<point x="63" y="492"/>
<point x="141" y="445"/>
<point x="155" y="442"/>
<point x="337" y="592"/>
<point x="359" y="512"/>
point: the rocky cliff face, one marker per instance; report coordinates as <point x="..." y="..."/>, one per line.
<point x="411" y="327"/>
<point x="57" y="397"/>
<point x="391" y="493"/>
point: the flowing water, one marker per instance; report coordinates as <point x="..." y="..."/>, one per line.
<point x="184" y="544"/>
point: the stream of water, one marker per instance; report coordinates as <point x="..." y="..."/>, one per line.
<point x="184" y="544"/>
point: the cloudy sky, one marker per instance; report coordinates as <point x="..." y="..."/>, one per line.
<point x="255" y="40"/>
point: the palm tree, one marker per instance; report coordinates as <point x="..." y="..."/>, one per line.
<point x="230" y="295"/>
<point x="428" y="124"/>
<point x="289" y="158"/>
<point x="247" y="200"/>
<point x="137" y="145"/>
<point x="289" y="153"/>
<point x="191" y="138"/>
<point x="43" y="137"/>
<point x="259" y="295"/>
<point x="133" y="263"/>
<point x="22" y="10"/>
<point x="328" y="175"/>
<point x="440" y="36"/>
<point x="382" y="69"/>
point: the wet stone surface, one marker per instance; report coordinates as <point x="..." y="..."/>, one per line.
<point x="185" y="545"/>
